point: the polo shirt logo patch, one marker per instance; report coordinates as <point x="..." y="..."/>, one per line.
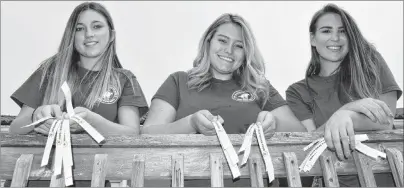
<point x="243" y="96"/>
<point x="110" y="96"/>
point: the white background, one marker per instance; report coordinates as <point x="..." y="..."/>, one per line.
<point x="155" y="39"/>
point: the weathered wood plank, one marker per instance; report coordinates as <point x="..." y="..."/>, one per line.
<point x="255" y="170"/>
<point x="138" y="170"/>
<point x="395" y="158"/>
<point x="21" y="170"/>
<point x="185" y="140"/>
<point x="158" y="162"/>
<point x="216" y="170"/>
<point x="329" y="173"/>
<point x="177" y="170"/>
<point x="292" y="169"/>
<point x="365" y="173"/>
<point x="99" y="170"/>
<point x="56" y="181"/>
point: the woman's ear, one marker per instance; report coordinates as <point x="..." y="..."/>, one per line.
<point x="312" y="39"/>
<point x="112" y="38"/>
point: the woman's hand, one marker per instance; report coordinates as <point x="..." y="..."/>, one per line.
<point x="374" y="109"/>
<point x="267" y="121"/>
<point x="46" y="111"/>
<point x="83" y="113"/>
<point x="201" y="121"/>
<point x="339" y="129"/>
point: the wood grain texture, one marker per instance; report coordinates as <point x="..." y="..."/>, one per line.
<point x="255" y="170"/>
<point x="177" y="170"/>
<point x="292" y="169"/>
<point x="329" y="173"/>
<point x="216" y="170"/>
<point x="22" y="170"/>
<point x="138" y="167"/>
<point x="158" y="162"/>
<point x="364" y="166"/>
<point x="99" y="170"/>
<point x="184" y="140"/>
<point x="395" y="158"/>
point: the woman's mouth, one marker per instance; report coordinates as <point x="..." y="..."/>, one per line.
<point x="228" y="59"/>
<point x="92" y="43"/>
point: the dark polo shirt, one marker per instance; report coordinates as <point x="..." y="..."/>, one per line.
<point x="32" y="95"/>
<point x="325" y="100"/>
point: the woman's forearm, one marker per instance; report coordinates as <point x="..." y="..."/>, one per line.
<point x="106" y="127"/>
<point x="16" y="126"/>
<point x="181" y="126"/>
<point x="363" y="123"/>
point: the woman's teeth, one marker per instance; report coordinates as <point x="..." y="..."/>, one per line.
<point x="334" y="47"/>
<point x="90" y="43"/>
<point x="226" y="58"/>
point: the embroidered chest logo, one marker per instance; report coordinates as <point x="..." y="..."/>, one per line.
<point x="110" y="96"/>
<point x="243" y="96"/>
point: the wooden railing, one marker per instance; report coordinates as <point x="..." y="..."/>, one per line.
<point x="176" y="158"/>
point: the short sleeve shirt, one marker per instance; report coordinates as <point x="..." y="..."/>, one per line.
<point x="238" y="108"/>
<point x="325" y="99"/>
<point x="31" y="94"/>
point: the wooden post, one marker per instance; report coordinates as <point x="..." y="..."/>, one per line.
<point x="216" y="170"/>
<point x="292" y="169"/>
<point x="365" y="173"/>
<point x="138" y="166"/>
<point x="177" y="170"/>
<point x="395" y="158"/>
<point x="22" y="170"/>
<point x="329" y="173"/>
<point x="254" y="167"/>
<point x="99" y="170"/>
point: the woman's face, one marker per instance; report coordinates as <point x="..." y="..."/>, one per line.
<point x="92" y="34"/>
<point x="330" y="39"/>
<point x="226" y="51"/>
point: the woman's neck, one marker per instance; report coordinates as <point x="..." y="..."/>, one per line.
<point x="328" y="68"/>
<point x="90" y="63"/>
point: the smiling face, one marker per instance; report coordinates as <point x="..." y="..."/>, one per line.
<point x="330" y="39"/>
<point x="92" y="34"/>
<point x="226" y="51"/>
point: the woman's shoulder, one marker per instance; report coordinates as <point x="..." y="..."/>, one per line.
<point x="299" y="86"/>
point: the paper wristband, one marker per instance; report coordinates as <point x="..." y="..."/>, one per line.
<point x="59" y="149"/>
<point x="89" y="129"/>
<point x="66" y="91"/>
<point x="38" y="121"/>
<point x="312" y="144"/>
<point x="67" y="155"/>
<point x="225" y="141"/>
<point x="265" y="152"/>
<point x="225" y="147"/>
<point x="369" y="151"/>
<point x="247" y="141"/>
<point x="67" y="152"/>
<point x="49" y="142"/>
<point x="249" y="133"/>
<point x="311" y="153"/>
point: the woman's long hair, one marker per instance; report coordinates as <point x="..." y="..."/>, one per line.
<point x="63" y="65"/>
<point x="250" y="75"/>
<point x="358" y="74"/>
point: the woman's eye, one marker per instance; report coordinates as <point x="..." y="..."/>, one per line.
<point x="79" y="29"/>
<point x="222" y="40"/>
<point x="97" y="26"/>
<point x="342" y="31"/>
<point x="326" y="31"/>
<point x="239" y="46"/>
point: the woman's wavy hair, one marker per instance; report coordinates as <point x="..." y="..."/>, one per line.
<point x="63" y="65"/>
<point x="358" y="73"/>
<point x="250" y="75"/>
